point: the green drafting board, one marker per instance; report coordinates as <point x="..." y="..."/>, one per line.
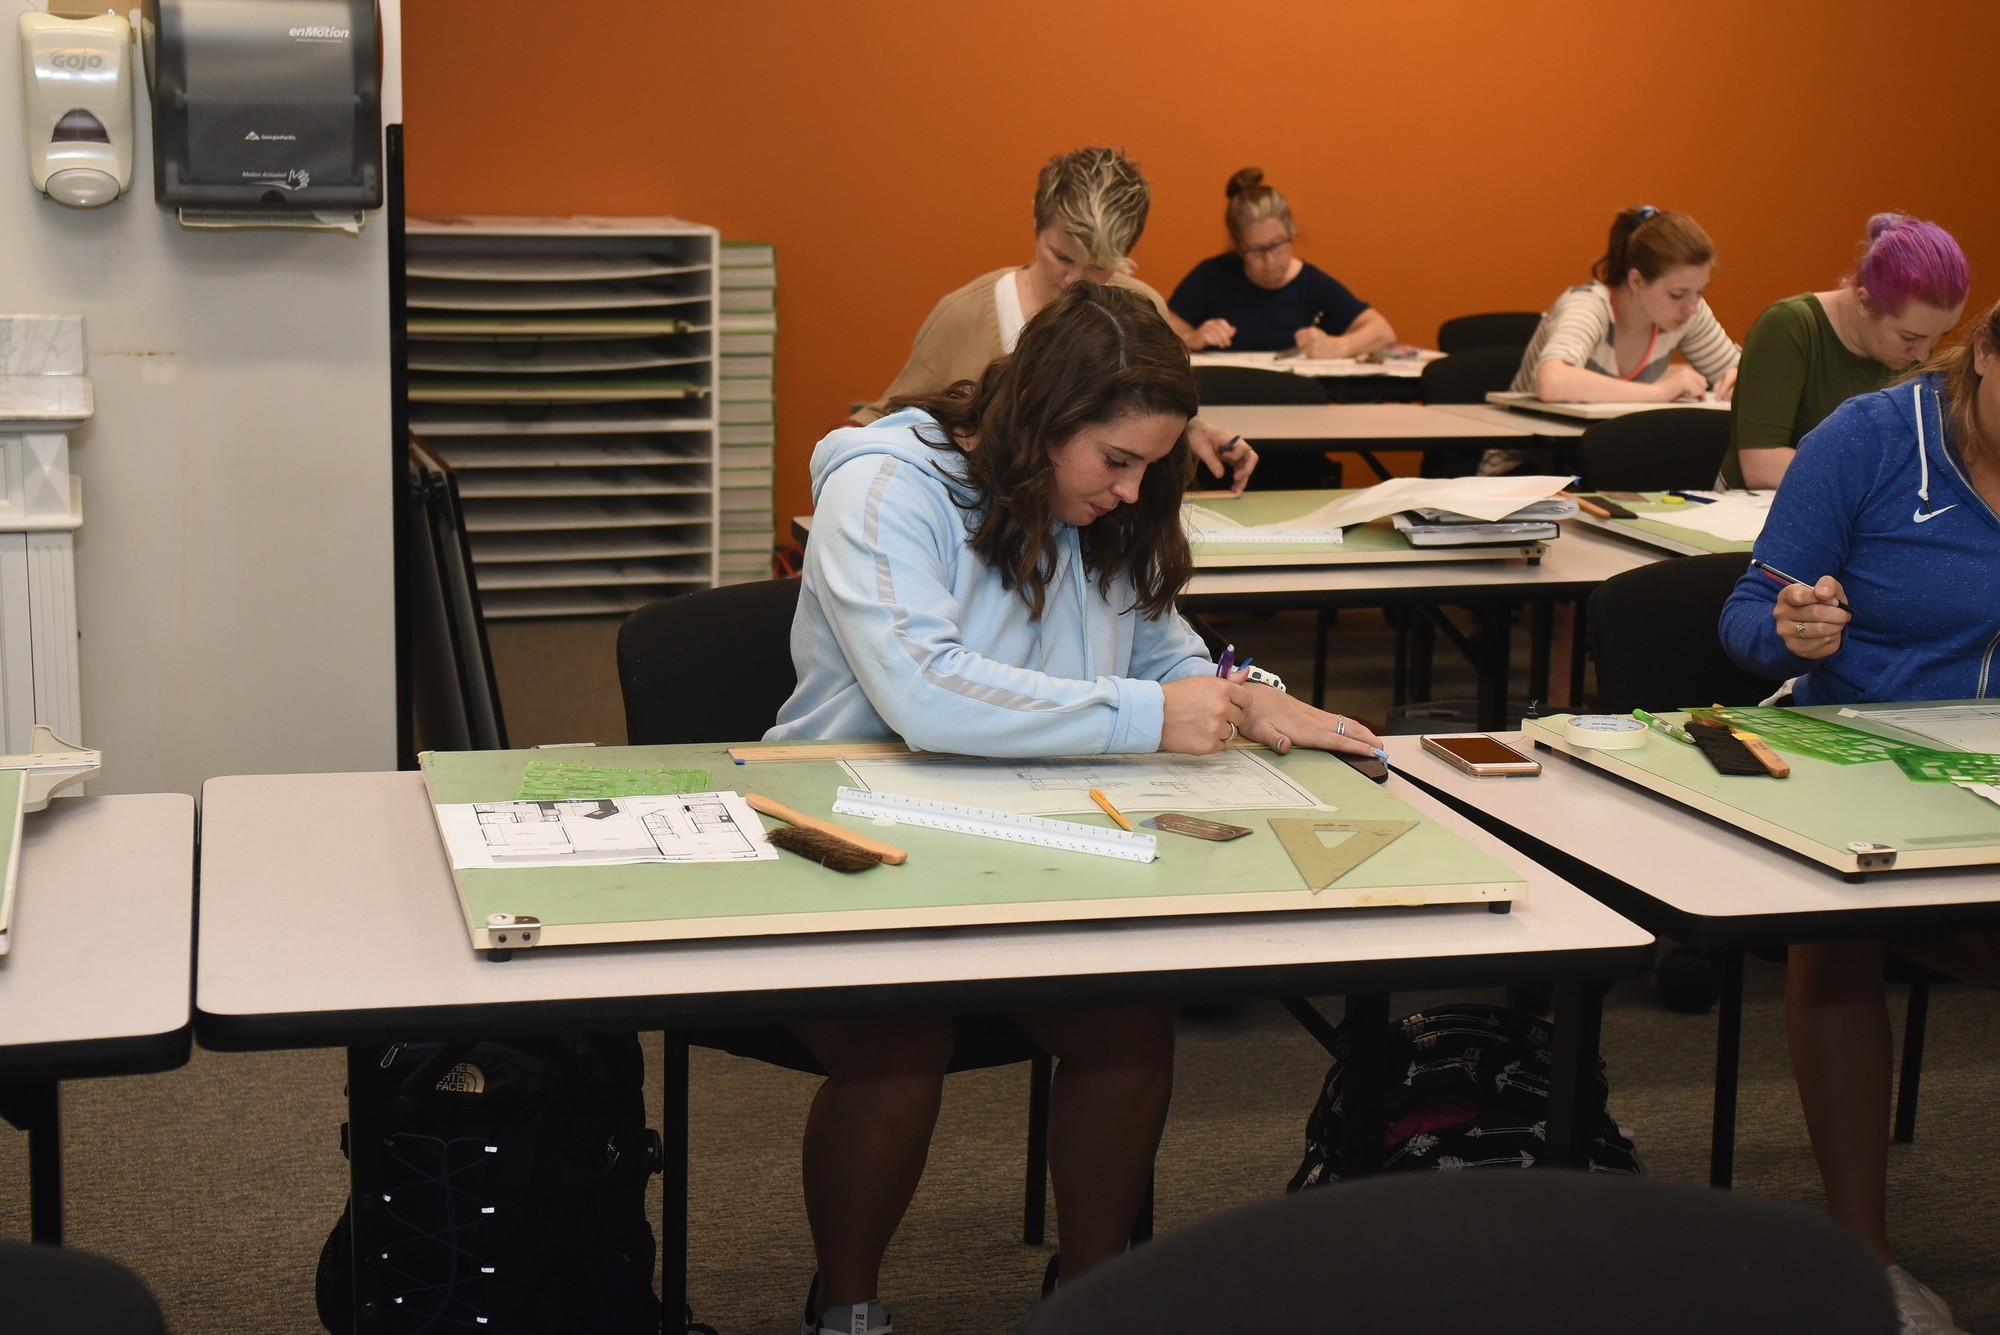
<point x="13" y="801"/>
<point x="950" y="879"/>
<point x="1862" y="796"/>
<point x="1665" y="537"/>
<point x="1376" y="543"/>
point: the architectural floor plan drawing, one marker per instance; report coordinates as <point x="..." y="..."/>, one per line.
<point x="690" y="827"/>
<point x="1231" y="781"/>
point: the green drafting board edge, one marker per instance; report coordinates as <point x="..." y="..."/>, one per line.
<point x="1852" y="818"/>
<point x="950" y="880"/>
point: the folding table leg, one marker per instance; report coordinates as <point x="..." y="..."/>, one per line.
<point x="1363" y="1099"/>
<point x="1728" y="1052"/>
<point x="35" y="1110"/>
<point x="1579" y="1022"/>
<point x="1490" y="630"/>
<point x="673" y="1182"/>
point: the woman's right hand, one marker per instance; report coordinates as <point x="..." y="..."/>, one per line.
<point x="1680" y="382"/>
<point x="1216" y="333"/>
<point x="1809" y="618"/>
<point x="1202" y="714"/>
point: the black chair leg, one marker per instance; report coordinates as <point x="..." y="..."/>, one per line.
<point x="1034" y="1211"/>
<point x="1913" y="1062"/>
<point x="1142" y="1226"/>
<point x="673" y="1182"/>
<point x="1728" y="1050"/>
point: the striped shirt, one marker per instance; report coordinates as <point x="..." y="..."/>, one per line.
<point x="1578" y="330"/>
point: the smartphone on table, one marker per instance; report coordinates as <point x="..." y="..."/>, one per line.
<point x="1477" y="753"/>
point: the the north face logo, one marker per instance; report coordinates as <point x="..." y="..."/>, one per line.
<point x="464" y="1078"/>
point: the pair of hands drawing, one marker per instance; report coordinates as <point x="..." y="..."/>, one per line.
<point x="1203" y="713"/>
<point x="1809" y="619"/>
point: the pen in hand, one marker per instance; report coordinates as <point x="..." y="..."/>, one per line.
<point x="1770" y="571"/>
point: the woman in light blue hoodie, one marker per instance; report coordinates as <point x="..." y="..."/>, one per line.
<point x="992" y="572"/>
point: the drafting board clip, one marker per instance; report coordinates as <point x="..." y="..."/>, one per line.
<point x="1321" y="863"/>
<point x="507" y="932"/>
<point x="1872" y="857"/>
<point x="50" y="766"/>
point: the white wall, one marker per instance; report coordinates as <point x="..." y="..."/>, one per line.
<point x="234" y="566"/>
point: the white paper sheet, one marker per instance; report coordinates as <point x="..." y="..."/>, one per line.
<point x="1205" y="525"/>
<point x="1989" y="791"/>
<point x="1974" y="728"/>
<point x="577" y="832"/>
<point x="1402" y="368"/>
<point x="1231" y="781"/>
<point x="1733" y="516"/>
<point x="1489" y="498"/>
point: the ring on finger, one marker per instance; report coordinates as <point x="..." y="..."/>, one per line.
<point x="1340" y="725"/>
<point x="1232" y="733"/>
<point x="1798" y="628"/>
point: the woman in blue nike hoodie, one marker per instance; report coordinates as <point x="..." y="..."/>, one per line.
<point x="1893" y="507"/>
<point x="992" y="572"/>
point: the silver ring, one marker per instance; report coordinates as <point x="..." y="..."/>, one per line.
<point x="1232" y="734"/>
<point x="1340" y="729"/>
<point x="1798" y="628"/>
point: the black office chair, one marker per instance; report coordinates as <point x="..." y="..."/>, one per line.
<point x="1499" y="1252"/>
<point x="1494" y="329"/>
<point x="1652" y="632"/>
<point x="1276" y="470"/>
<point x="751" y="626"/>
<point x="1253" y="384"/>
<point x="44" y="1289"/>
<point x="1655" y="450"/>
<point x="1469" y="376"/>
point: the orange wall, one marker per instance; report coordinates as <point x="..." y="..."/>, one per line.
<point x="1441" y="157"/>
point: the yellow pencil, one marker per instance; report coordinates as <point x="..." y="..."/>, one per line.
<point x="1097" y="796"/>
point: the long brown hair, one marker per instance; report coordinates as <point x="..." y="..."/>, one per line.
<point x="1652" y="241"/>
<point x="1959" y="385"/>
<point x="1093" y="355"/>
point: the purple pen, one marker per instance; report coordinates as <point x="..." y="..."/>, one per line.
<point x="1228" y="657"/>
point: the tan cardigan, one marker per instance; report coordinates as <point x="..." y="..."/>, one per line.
<point x="960" y="338"/>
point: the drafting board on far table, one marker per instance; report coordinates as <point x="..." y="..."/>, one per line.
<point x="1649" y="529"/>
<point x="951" y="879"/>
<point x="1855" y="818"/>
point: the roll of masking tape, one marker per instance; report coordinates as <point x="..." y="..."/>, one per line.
<point x="1605" y="732"/>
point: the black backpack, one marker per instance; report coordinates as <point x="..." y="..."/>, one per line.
<point x="509" y="1190"/>
<point x="1468" y="1088"/>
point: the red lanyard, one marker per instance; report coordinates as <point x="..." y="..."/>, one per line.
<point x="1651" y="343"/>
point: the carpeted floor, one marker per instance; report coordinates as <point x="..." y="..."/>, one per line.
<point x="216" y="1183"/>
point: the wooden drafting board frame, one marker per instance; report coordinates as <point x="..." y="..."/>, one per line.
<point x="1374" y="543"/>
<point x="951" y="880"/>
<point x="1924" y="825"/>
<point x="13" y="806"/>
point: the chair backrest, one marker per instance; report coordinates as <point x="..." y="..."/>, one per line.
<point x="1494" y="329"/>
<point x="709" y="666"/>
<point x="1652" y="632"/>
<point x="1502" y="1252"/>
<point x="1253" y="384"/>
<point x="1468" y="377"/>
<point x="1655" y="450"/>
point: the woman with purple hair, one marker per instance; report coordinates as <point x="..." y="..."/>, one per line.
<point x="1808" y="354"/>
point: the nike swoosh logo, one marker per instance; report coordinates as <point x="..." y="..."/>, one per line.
<point x="1922" y="518"/>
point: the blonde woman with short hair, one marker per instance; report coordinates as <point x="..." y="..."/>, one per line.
<point x="1090" y="209"/>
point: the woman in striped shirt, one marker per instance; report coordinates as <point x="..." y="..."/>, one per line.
<point x="1612" y="341"/>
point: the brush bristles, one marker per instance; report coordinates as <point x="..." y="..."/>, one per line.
<point x="824" y="849"/>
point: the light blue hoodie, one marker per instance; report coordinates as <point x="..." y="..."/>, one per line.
<point x="903" y="631"/>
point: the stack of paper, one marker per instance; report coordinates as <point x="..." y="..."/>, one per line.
<point x="747" y="344"/>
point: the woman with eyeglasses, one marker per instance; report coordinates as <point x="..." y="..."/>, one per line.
<point x="1613" y="340"/>
<point x="1892" y="509"/>
<point x="1806" y="355"/>
<point x="1260" y="297"/>
<point x="1090" y="207"/>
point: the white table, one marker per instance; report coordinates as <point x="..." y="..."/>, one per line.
<point x="96" y="981"/>
<point x="1363" y="428"/>
<point x="1697" y="879"/>
<point x="329" y="918"/>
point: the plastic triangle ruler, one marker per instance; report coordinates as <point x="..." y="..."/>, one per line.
<point x="988" y="824"/>
<point x="1321" y="863"/>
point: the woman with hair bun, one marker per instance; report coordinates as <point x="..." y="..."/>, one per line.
<point x="1806" y="355"/>
<point x="1260" y="297"/>
<point x="1612" y="341"/>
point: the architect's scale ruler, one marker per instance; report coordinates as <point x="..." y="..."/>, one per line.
<point x="989" y="824"/>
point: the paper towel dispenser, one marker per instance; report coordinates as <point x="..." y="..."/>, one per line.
<point x="265" y="104"/>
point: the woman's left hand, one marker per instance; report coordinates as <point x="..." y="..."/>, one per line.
<point x="1725" y="386"/>
<point x="1280" y="722"/>
<point x="1226" y="456"/>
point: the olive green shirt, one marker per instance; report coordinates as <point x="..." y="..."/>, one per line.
<point x="1795" y="371"/>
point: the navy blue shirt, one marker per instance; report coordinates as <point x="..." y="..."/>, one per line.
<point x="1266" y="321"/>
